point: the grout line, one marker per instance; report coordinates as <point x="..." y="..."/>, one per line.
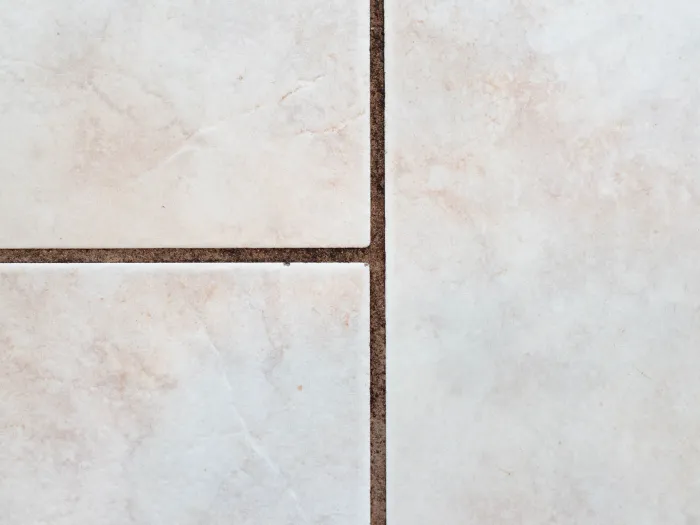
<point x="374" y="255"/>
<point x="183" y="255"/>
<point x="377" y="265"/>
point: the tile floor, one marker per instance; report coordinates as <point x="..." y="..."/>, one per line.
<point x="177" y="124"/>
<point x="543" y="284"/>
<point x="542" y="288"/>
<point x="184" y="393"/>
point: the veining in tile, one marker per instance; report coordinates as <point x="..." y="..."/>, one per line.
<point x="188" y="394"/>
<point x="184" y="124"/>
<point x="543" y="203"/>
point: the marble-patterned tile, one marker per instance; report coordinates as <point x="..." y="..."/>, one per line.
<point x="543" y="278"/>
<point x="184" y="124"/>
<point x="185" y="394"/>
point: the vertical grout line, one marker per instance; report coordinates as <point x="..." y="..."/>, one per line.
<point x="377" y="258"/>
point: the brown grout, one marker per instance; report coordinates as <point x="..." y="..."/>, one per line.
<point x="185" y="255"/>
<point x="377" y="270"/>
<point x="374" y="256"/>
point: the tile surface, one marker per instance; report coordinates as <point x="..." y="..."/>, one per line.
<point x="184" y="124"/>
<point x="185" y="394"/>
<point x="543" y="246"/>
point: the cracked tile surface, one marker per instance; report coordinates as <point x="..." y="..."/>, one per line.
<point x="184" y="394"/>
<point x="543" y="202"/>
<point x="182" y="124"/>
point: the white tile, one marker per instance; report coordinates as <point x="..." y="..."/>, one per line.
<point x="184" y="394"/>
<point x="184" y="124"/>
<point x="543" y="247"/>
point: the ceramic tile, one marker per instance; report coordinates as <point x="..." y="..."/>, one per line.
<point x="543" y="245"/>
<point x="184" y="394"/>
<point x="184" y="124"/>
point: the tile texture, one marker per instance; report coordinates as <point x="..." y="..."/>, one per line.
<point x="161" y="123"/>
<point x="543" y="246"/>
<point x="184" y="394"/>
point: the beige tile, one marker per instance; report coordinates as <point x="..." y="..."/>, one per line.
<point x="543" y="246"/>
<point x="184" y="394"/>
<point x="200" y="124"/>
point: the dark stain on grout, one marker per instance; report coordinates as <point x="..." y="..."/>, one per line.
<point x="374" y="256"/>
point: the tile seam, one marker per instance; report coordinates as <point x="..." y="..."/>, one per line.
<point x="377" y="268"/>
<point x="184" y="255"/>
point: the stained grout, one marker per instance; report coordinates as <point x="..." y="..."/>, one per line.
<point x="374" y="256"/>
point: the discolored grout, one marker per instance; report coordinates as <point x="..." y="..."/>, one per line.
<point x="374" y="256"/>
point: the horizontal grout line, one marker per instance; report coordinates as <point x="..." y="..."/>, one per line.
<point x="184" y="255"/>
